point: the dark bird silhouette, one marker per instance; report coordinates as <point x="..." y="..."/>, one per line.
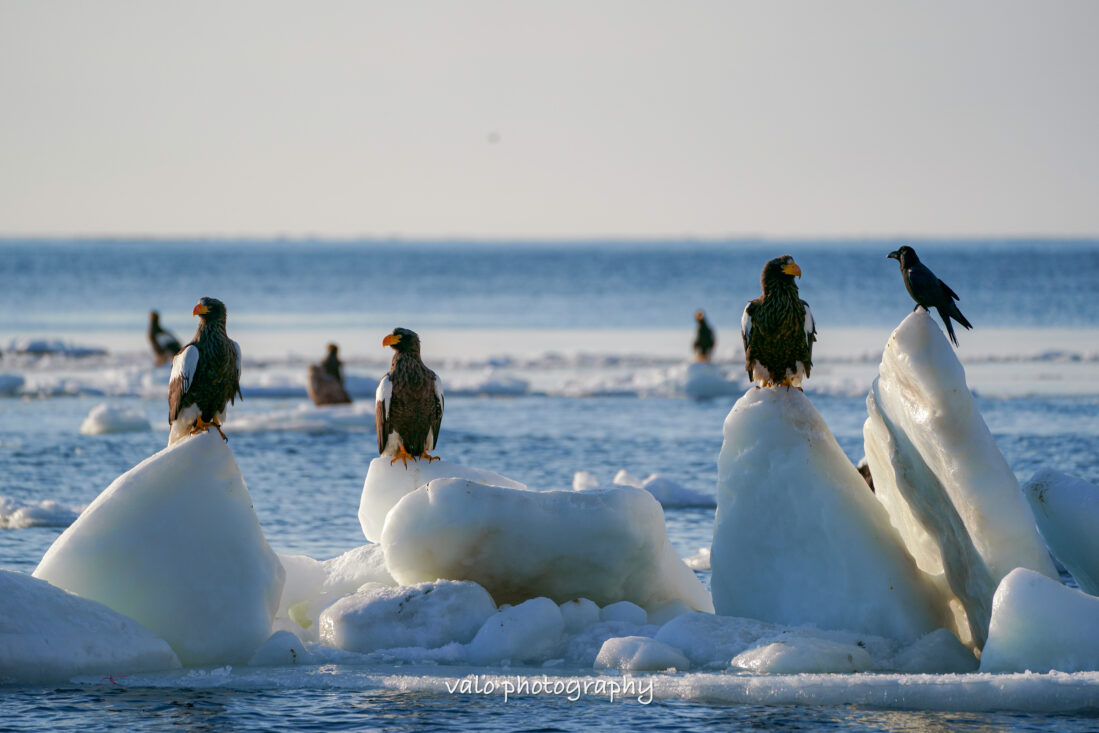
<point x="165" y="344"/>
<point x="704" y="338"/>
<point x="205" y="375"/>
<point x="927" y="290"/>
<point x="778" y="329"/>
<point x="325" y="384"/>
<point x="409" y="409"/>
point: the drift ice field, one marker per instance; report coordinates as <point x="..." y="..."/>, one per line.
<point x="614" y="535"/>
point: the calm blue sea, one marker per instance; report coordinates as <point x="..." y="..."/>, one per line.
<point x="306" y="484"/>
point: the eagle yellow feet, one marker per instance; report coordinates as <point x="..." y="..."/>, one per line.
<point x="429" y="458"/>
<point x="201" y="426"/>
<point x="403" y="456"/>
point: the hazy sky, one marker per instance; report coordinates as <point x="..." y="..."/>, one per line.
<point x="590" y="118"/>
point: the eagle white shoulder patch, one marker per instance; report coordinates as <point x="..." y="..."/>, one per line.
<point x="746" y="324"/>
<point x="240" y="358"/>
<point x="384" y="393"/>
<point x="810" y="326"/>
<point x="183" y="367"/>
<point x="438" y="389"/>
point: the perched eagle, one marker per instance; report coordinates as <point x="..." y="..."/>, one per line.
<point x="704" y="339"/>
<point x="778" y="329"/>
<point x="325" y="384"/>
<point x="409" y="411"/>
<point x="205" y="375"/>
<point x="927" y="290"/>
<point x="165" y="344"/>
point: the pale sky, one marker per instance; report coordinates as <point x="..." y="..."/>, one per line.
<point x="552" y="119"/>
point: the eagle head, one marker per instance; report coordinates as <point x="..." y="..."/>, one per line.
<point x="906" y="256"/>
<point x="403" y="341"/>
<point x="333" y="349"/>
<point x="700" y="315"/>
<point x="781" y="270"/>
<point x="210" y="310"/>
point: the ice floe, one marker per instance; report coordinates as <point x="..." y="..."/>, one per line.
<point x="799" y="538"/>
<point x="49" y="635"/>
<point x="607" y="545"/>
<point x="175" y="544"/>
<point x="107" y="418"/>
<point x="17" y="514"/>
<point x="1067" y="512"/>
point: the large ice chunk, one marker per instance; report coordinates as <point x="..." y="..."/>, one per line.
<point x="105" y="418"/>
<point x="798" y="537"/>
<point x="427" y="615"/>
<point x="48" y="635"/>
<point x="533" y="631"/>
<point x="175" y="544"/>
<point x="1039" y="625"/>
<point x="938" y="472"/>
<point x="639" y="654"/>
<point x="387" y="481"/>
<point x="804" y="654"/>
<point x="607" y="545"/>
<point x="1067" y="511"/>
<point x="706" y="381"/>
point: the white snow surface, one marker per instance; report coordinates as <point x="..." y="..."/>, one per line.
<point x="49" y="635"/>
<point x="282" y="649"/>
<point x="427" y="615"/>
<point x="640" y="654"/>
<point x="1039" y="625"/>
<point x="175" y="544"/>
<point x="107" y="418"/>
<point x="706" y="381"/>
<point x="937" y="471"/>
<point x="16" y="514"/>
<point x="1067" y="511"/>
<point x="607" y="545"/>
<point x="387" y="481"/>
<point x="798" y="537"/>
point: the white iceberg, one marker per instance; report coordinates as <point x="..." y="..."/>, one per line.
<point x="937" y="470"/>
<point x="707" y="381"/>
<point x="798" y="538"/>
<point x="48" y="635"/>
<point x="283" y="649"/>
<point x="428" y="615"/>
<point x="1039" y="625"/>
<point x="639" y="654"/>
<point x="388" y="481"/>
<point x="175" y="544"/>
<point x="578" y="614"/>
<point x="105" y="418"/>
<point x="626" y="612"/>
<point x="1067" y="512"/>
<point x="607" y="545"/>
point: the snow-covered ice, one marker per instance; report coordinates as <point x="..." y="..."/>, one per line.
<point x="640" y="654"/>
<point x="607" y="545"/>
<point x="107" y="418"/>
<point x="427" y="615"/>
<point x="1039" y="625"/>
<point x="175" y="544"/>
<point x="49" y="635"/>
<point x="1067" y="511"/>
<point x="799" y="538"/>
<point x="387" y="481"/>
<point x="283" y="648"/>
<point x="624" y="611"/>
<point x="706" y="381"/>
<point x="937" y="470"/>
<point x="578" y="614"/>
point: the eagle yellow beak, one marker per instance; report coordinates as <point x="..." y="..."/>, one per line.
<point x="391" y="339"/>
<point x="200" y="310"/>
<point x="792" y="269"/>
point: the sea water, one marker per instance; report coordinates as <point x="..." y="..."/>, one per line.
<point x="589" y="341"/>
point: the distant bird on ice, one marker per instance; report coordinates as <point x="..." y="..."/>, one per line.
<point x="325" y="384"/>
<point x="778" y="329"/>
<point x="165" y="344"/>
<point x="205" y="375"/>
<point x="927" y="290"/>
<point x="704" y="338"/>
<point x="409" y="409"/>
